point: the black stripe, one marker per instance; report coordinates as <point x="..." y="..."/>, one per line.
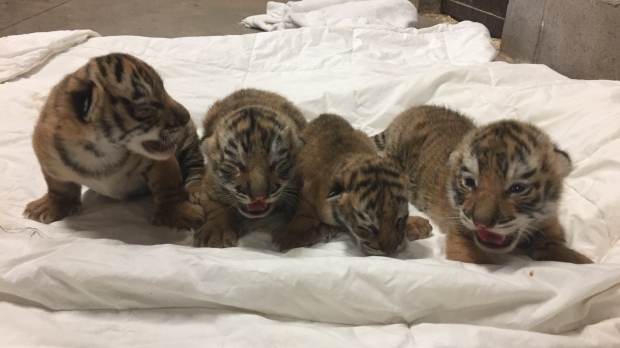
<point x="353" y="178"/>
<point x="520" y="143"/>
<point x="106" y="128"/>
<point x="118" y="120"/>
<point x="367" y="192"/>
<point x="392" y="184"/>
<point x="548" y="187"/>
<point x="231" y="143"/>
<point x="529" y="174"/>
<point x="137" y="94"/>
<point x="244" y="145"/>
<point x="144" y="70"/>
<point x="458" y="196"/>
<point x="118" y="69"/>
<point x="378" y="170"/>
<point x="90" y="147"/>
<point x="67" y="159"/>
<point x="361" y="184"/>
<point x="191" y="162"/>
<point x="128" y="105"/>
<point x="532" y="140"/>
<point x="230" y="153"/>
<point x="101" y="66"/>
<point x="371" y="205"/>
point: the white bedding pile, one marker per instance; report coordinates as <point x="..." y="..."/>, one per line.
<point x="107" y="278"/>
<point x="376" y="14"/>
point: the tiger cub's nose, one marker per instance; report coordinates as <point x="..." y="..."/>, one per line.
<point x="258" y="198"/>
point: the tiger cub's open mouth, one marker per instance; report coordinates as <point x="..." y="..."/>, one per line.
<point x="256" y="209"/>
<point x="493" y="240"/>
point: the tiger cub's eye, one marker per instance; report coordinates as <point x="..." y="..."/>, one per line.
<point x="469" y="182"/>
<point x="517" y="188"/>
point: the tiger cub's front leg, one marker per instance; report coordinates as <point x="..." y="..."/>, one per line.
<point x="173" y="209"/>
<point x="61" y="200"/>
<point x="551" y="246"/>
<point x="304" y="230"/>
<point x="460" y="248"/>
<point x="418" y="228"/>
<point x="221" y="229"/>
<point x="191" y="162"/>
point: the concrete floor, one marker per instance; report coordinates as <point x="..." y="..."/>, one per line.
<point x="153" y="18"/>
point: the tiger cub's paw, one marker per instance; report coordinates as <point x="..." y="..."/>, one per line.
<point x="180" y="215"/>
<point x="560" y="253"/>
<point x="299" y="232"/>
<point x="326" y="233"/>
<point x="418" y="228"/>
<point x="47" y="210"/>
<point x="212" y="235"/>
<point x="193" y="192"/>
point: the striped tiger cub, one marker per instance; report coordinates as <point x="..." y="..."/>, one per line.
<point x="347" y="186"/>
<point x="251" y="141"/>
<point x="111" y="126"/>
<point x="490" y="188"/>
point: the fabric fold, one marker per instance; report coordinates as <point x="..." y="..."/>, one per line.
<point x="375" y="14"/>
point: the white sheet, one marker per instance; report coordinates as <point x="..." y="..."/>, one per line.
<point x="107" y="277"/>
<point x="375" y="14"/>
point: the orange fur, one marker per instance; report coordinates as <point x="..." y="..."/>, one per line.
<point x="490" y="188"/>
<point x="251" y="141"/>
<point x="347" y="186"/>
<point x="112" y="127"/>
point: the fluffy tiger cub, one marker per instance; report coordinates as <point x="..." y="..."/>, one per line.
<point x="111" y="126"/>
<point x="251" y="141"/>
<point x="490" y="188"/>
<point x="346" y="185"/>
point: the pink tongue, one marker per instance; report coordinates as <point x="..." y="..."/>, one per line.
<point x="256" y="206"/>
<point x="491" y="237"/>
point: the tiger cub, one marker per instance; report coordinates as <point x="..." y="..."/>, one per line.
<point x="251" y="141"/>
<point x="490" y="188"/>
<point x="346" y="185"/>
<point x="111" y="126"/>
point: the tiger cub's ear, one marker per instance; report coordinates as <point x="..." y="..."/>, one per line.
<point x="83" y="97"/>
<point x="335" y="191"/>
<point x="563" y="160"/>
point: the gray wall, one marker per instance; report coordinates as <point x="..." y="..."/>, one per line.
<point x="577" y="38"/>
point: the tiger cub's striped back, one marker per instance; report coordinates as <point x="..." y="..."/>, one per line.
<point x="348" y="187"/>
<point x="111" y="126"/>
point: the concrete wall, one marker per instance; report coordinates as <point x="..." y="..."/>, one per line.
<point x="427" y="6"/>
<point x="577" y="38"/>
<point x="491" y="13"/>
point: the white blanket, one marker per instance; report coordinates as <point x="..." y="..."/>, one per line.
<point x="107" y="278"/>
<point x="375" y="14"/>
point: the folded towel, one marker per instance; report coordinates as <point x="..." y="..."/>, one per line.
<point x="376" y="14"/>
